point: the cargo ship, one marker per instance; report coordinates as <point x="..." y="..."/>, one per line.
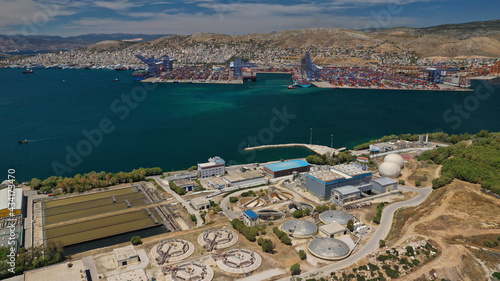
<point x="139" y="75"/>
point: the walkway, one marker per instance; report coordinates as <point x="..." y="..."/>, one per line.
<point x="383" y="229"/>
<point x="166" y="186"/>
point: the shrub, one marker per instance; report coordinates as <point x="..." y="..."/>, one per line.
<point x="136" y="240"/>
<point x="402" y="182"/>
<point x="233" y="199"/>
<point x="302" y="255"/>
<point x="417" y="183"/>
<point x="409" y="251"/>
<point x="496" y="275"/>
<point x="381" y="243"/>
<point x="295" y="269"/>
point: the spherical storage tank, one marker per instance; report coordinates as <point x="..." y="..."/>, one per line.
<point x="395" y="158"/>
<point x="389" y="169"/>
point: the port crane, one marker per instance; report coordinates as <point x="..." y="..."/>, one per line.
<point x="238" y="65"/>
<point x="308" y="68"/>
<point x="156" y="66"/>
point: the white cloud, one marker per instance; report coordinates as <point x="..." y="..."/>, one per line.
<point x="27" y="16"/>
<point x="116" y="5"/>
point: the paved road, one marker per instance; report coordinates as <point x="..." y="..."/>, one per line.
<point x="224" y="204"/>
<point x="166" y="186"/>
<point x="383" y="229"/>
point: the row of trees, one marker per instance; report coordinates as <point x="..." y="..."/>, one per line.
<point x="477" y="161"/>
<point x="438" y="136"/>
<point x="301" y="213"/>
<point x="35" y="257"/>
<point x="250" y="233"/>
<point x="282" y="236"/>
<point x="328" y="159"/>
<point x="89" y="181"/>
<point x="378" y="214"/>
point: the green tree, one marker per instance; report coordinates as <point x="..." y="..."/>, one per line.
<point x="136" y="240"/>
<point x="233" y="199"/>
<point x="402" y="182"/>
<point x="417" y="183"/>
<point x="295" y="269"/>
<point x="193" y="168"/>
<point x="268" y="246"/>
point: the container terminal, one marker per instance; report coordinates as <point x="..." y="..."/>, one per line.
<point x="306" y="74"/>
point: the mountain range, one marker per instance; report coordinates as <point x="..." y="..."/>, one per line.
<point x="451" y="40"/>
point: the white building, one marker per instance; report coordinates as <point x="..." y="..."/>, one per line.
<point x="215" y="166"/>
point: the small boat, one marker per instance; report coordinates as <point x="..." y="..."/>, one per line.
<point x="23" y="141"/>
<point x="292" y="87"/>
<point x="116" y="80"/>
<point x="28" y="71"/>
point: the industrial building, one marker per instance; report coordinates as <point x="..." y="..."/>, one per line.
<point x="215" y="166"/>
<point x="286" y="168"/>
<point x="348" y="193"/>
<point x="16" y="194"/>
<point x="217" y="183"/>
<point x="126" y="256"/>
<point x="200" y="203"/>
<point x="11" y="229"/>
<point x="384" y="184"/>
<point x="186" y="184"/>
<point x="322" y="182"/>
<point x="245" y="179"/>
<point x="333" y="230"/>
<point x="250" y="218"/>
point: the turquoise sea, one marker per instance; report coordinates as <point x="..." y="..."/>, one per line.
<point x="64" y="113"/>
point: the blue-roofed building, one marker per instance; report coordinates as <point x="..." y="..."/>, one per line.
<point x="286" y="168"/>
<point x="250" y="218"/>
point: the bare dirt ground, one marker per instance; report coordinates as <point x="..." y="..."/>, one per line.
<point x="456" y="217"/>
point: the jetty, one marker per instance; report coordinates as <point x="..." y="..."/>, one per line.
<point x="319" y="149"/>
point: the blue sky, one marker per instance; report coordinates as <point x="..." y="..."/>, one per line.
<point x="67" y="17"/>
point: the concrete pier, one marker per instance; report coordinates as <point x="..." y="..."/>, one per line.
<point x="319" y="149"/>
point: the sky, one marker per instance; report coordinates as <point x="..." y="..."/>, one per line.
<point x="76" y="17"/>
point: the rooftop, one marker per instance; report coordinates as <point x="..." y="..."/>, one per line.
<point x="287" y="165"/>
<point x="350" y="169"/>
<point x="346" y="190"/>
<point x="183" y="182"/>
<point x="333" y="227"/>
<point x="385" y="181"/>
<point x="251" y="214"/>
<point x="124" y="253"/>
<point x="200" y="201"/>
<point x="18" y="198"/>
<point x="326" y="175"/>
<point x="243" y="176"/>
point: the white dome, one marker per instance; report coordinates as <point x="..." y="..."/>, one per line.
<point x="389" y="169"/>
<point x="395" y="159"/>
